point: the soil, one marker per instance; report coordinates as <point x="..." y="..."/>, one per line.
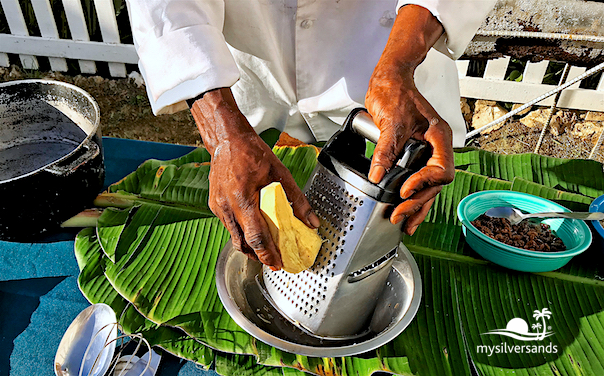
<point x="515" y="138"/>
<point x="126" y="113"/>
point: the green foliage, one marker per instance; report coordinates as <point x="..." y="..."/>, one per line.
<point x="515" y="70"/>
<point x="553" y="74"/>
<point x="155" y="264"/>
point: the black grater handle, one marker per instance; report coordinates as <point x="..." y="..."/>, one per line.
<point x="344" y="155"/>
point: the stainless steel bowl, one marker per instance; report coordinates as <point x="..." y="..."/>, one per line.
<point x="240" y="292"/>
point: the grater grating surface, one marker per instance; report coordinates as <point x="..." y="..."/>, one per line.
<point x="305" y="297"/>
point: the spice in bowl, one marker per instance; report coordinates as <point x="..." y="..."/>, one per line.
<point x="525" y="235"/>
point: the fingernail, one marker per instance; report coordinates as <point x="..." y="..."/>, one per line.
<point x="274" y="268"/>
<point x="407" y="195"/>
<point x="412" y="231"/>
<point x="376" y="174"/>
<point x="314" y="220"/>
<point x="398" y="219"/>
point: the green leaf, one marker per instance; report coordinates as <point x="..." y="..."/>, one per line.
<point x="573" y="175"/>
<point x="181" y="183"/>
<point x="238" y="365"/>
<point x="270" y="136"/>
<point x="171" y="282"/>
<point x="300" y="160"/>
<point x="110" y="227"/>
<point x="572" y="201"/>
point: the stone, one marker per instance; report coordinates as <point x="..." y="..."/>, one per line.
<point x="466" y="111"/>
<point x="523" y="112"/>
<point x="535" y="118"/>
<point x="586" y="129"/>
<point x="137" y="78"/>
<point x="79" y="80"/>
<point x="594" y="116"/>
<point x="561" y="120"/>
<point x="484" y="113"/>
<point x="98" y="80"/>
<point x="15" y="72"/>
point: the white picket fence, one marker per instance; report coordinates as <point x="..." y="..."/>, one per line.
<point x="493" y="86"/>
<point x="57" y="50"/>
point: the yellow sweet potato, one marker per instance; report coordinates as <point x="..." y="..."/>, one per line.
<point x="298" y="244"/>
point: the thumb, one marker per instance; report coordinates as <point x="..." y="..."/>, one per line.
<point x="387" y="150"/>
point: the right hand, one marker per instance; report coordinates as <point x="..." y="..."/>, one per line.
<point x="242" y="164"/>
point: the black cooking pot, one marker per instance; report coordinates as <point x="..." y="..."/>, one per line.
<point x="51" y="156"/>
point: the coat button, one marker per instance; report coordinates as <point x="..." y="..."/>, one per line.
<point x="306" y="24"/>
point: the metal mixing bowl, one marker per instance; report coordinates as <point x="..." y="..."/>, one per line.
<point x="241" y="295"/>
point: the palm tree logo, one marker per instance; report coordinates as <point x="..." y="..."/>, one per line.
<point x="543" y="314"/>
<point x="519" y="329"/>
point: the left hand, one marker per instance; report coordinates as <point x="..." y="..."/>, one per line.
<point x="401" y="112"/>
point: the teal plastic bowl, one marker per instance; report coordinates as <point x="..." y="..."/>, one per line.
<point x="575" y="234"/>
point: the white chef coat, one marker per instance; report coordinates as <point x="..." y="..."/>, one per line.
<point x="296" y="65"/>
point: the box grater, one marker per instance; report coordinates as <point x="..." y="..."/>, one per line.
<point x="337" y="295"/>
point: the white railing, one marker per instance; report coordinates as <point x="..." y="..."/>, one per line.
<point x="493" y="86"/>
<point x="57" y="50"/>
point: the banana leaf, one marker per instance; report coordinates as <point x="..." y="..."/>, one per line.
<point x="464" y="295"/>
<point x="572" y="175"/>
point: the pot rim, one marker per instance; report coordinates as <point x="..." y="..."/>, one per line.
<point x="95" y="122"/>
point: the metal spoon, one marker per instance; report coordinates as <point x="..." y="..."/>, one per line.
<point x="515" y="216"/>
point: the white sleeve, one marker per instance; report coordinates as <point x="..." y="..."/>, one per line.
<point x="460" y="19"/>
<point x="182" y="51"/>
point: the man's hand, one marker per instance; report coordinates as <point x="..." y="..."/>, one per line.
<point x="401" y="112"/>
<point x="242" y="164"/>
